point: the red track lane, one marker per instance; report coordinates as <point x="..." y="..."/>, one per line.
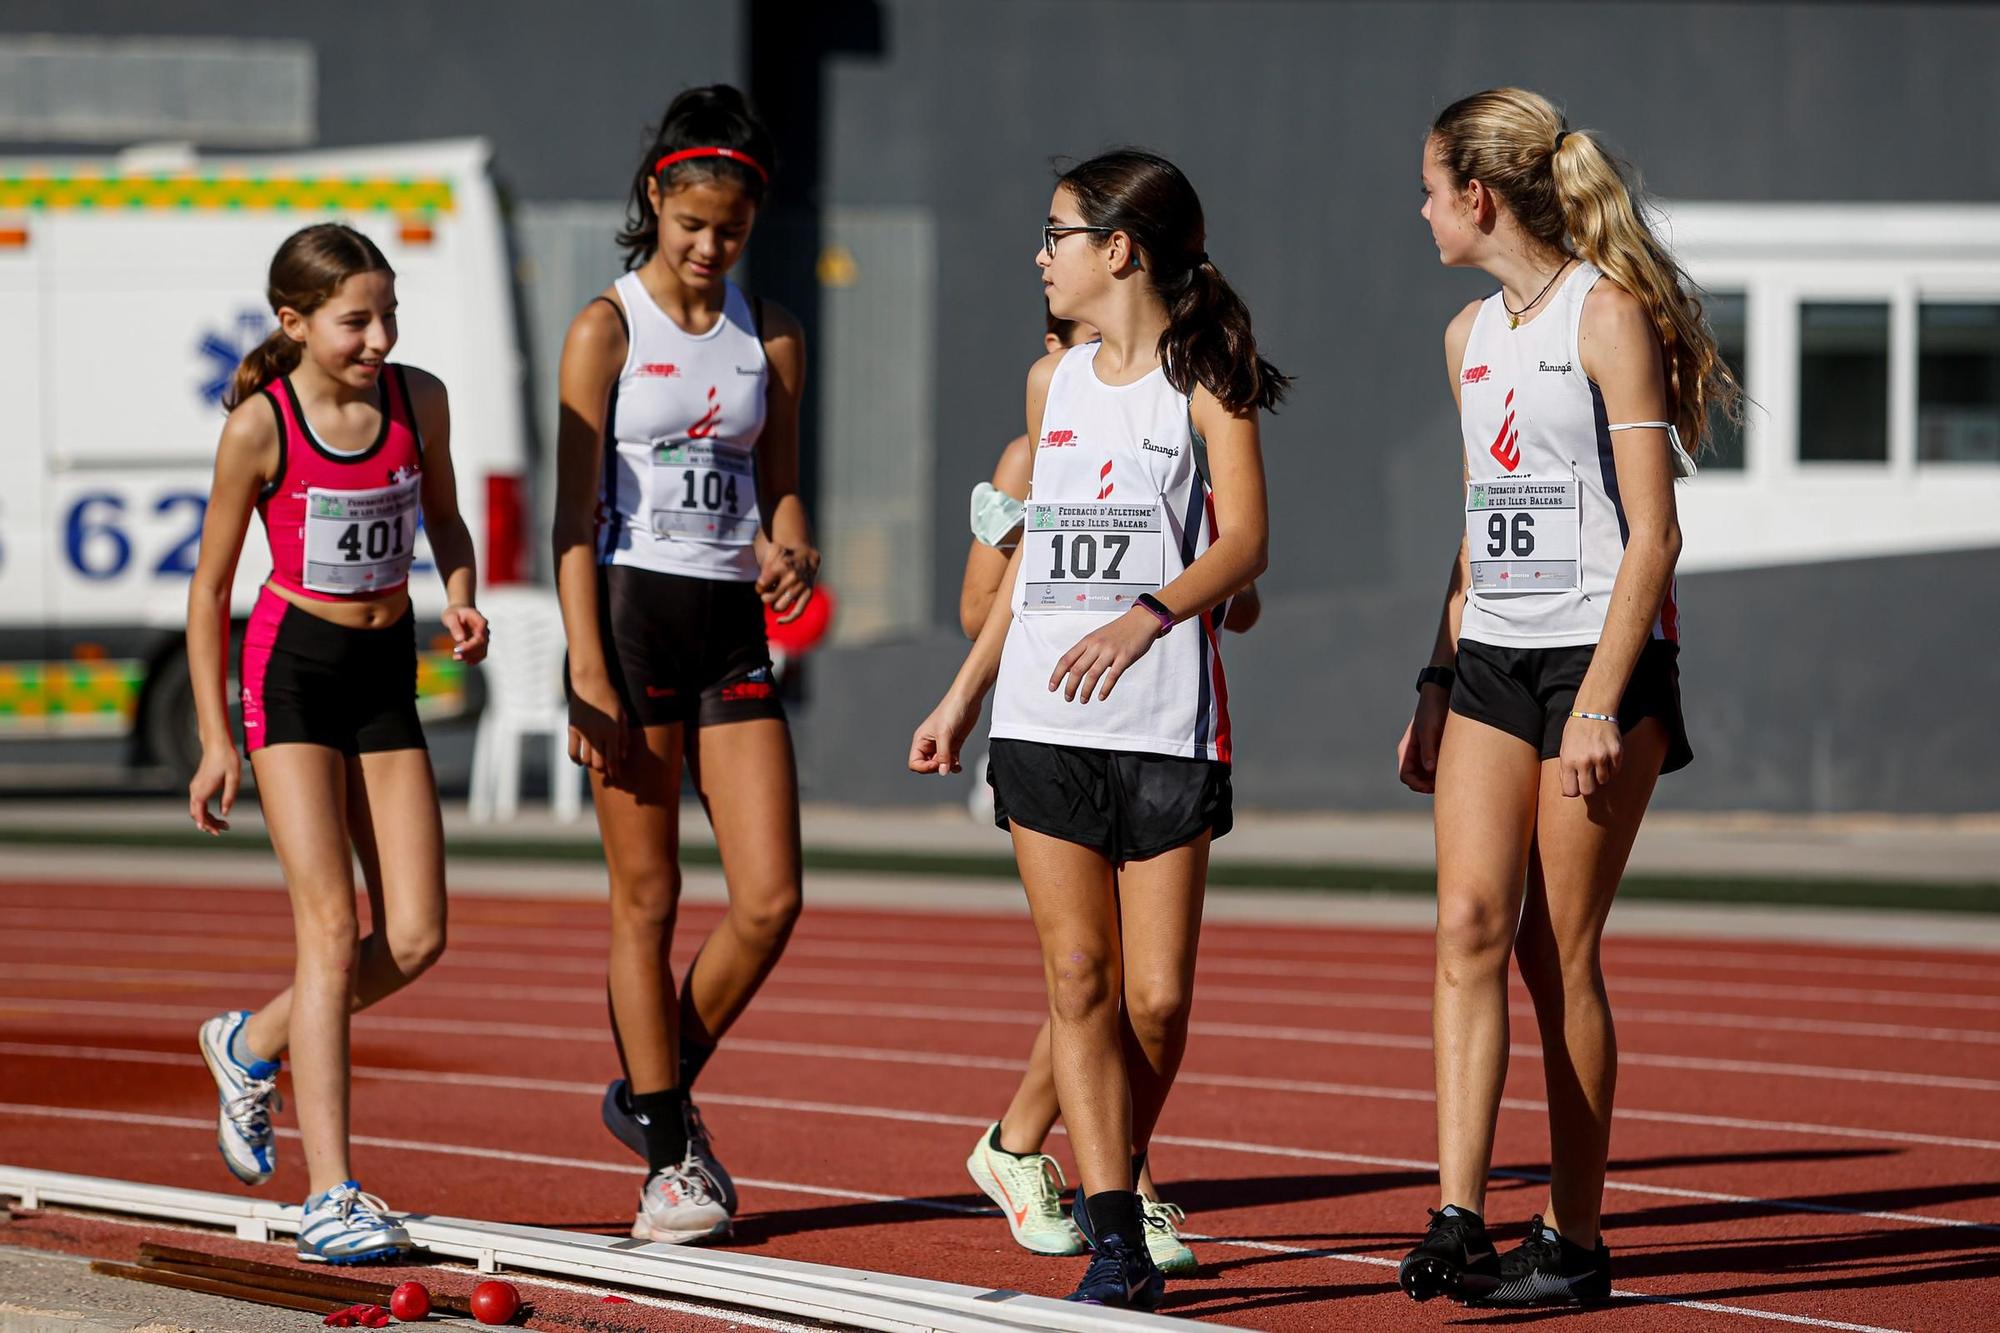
<point x="1805" y="1130"/>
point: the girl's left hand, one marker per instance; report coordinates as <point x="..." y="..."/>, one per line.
<point x="469" y="636"/>
<point x="1103" y="654"/>
<point x="1591" y="754"/>
<point x="785" y="581"/>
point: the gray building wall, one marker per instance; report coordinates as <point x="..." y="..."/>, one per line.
<point x="1301" y="126"/>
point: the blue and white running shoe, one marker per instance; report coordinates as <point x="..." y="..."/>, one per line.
<point x="346" y="1226"/>
<point x="246" y="1095"/>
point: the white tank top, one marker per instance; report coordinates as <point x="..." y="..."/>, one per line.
<point x="679" y="490"/>
<point x="1544" y="528"/>
<point x="1116" y="507"/>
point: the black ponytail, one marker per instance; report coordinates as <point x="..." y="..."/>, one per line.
<point x="715" y="117"/>
<point x="1208" y="339"/>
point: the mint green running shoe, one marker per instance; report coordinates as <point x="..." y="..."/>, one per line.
<point x="1163" y="1238"/>
<point x="1029" y="1191"/>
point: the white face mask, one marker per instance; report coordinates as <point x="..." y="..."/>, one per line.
<point x="996" y="515"/>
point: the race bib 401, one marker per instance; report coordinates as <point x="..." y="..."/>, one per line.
<point x="360" y="541"/>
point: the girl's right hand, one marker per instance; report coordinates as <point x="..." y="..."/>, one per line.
<point x="219" y="774"/>
<point x="1417" y="752"/>
<point x="935" y="746"/>
<point x="597" y="730"/>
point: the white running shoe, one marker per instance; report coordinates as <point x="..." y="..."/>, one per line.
<point x="1029" y="1191"/>
<point x="246" y="1095"/>
<point x="346" y="1226"/>
<point x="679" y="1207"/>
<point x="1163" y="1238"/>
<point x="701" y="1155"/>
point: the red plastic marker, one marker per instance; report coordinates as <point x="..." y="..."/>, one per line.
<point x="495" y="1302"/>
<point x="410" y="1302"/>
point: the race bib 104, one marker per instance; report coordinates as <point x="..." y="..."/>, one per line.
<point x="1090" y="556"/>
<point x="360" y="541"/>
<point x="1521" y="535"/>
<point x="700" y="492"/>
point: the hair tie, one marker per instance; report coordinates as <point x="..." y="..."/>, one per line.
<point x="1200" y="258"/>
<point x="733" y="154"/>
<point x="1560" y="136"/>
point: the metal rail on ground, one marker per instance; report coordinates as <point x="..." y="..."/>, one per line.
<point x="847" y="1297"/>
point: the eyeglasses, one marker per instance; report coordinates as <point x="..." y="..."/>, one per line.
<point x="1053" y="233"/>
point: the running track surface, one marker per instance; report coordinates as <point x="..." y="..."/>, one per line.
<point x="1807" y="1135"/>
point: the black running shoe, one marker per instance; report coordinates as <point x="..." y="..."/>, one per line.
<point x="1455" y="1259"/>
<point x="618" y="1118"/>
<point x="1122" y="1276"/>
<point x="1545" y="1269"/>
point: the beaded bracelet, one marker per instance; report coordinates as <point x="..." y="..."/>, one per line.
<point x="1612" y="718"/>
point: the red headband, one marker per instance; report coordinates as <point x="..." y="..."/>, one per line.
<point x="734" y="155"/>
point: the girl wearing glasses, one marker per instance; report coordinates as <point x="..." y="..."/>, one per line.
<point x="678" y="521"/>
<point x="1552" y="700"/>
<point x="1110" y="738"/>
<point x="1007" y="1163"/>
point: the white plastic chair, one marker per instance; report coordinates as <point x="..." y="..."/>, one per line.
<point x="524" y="697"/>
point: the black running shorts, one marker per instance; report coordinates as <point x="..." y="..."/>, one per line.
<point x="309" y="681"/>
<point x="1528" y="692"/>
<point x="682" y="649"/>
<point x="1126" y="806"/>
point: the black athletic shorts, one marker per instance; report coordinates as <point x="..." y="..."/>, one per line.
<point x="310" y="681"/>
<point x="1528" y="692"/>
<point x="682" y="649"/>
<point x="1127" y="806"/>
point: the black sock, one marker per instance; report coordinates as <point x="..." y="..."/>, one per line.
<point x="661" y="1117"/>
<point x="1138" y="1167"/>
<point x="993" y="1142"/>
<point x="693" y="1057"/>
<point x="1116" y="1213"/>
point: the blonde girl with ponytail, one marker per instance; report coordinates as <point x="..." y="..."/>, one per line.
<point x="1551" y="702"/>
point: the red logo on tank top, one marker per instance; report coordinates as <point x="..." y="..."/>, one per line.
<point x="1475" y="374"/>
<point x="1104" y="475"/>
<point x="665" y="370"/>
<point x="1059" y="439"/>
<point x="1507" y="444"/>
<point x="705" y="427"/>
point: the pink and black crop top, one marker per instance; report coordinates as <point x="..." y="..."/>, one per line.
<point x="344" y="524"/>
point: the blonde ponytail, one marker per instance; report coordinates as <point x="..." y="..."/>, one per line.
<point x="1566" y="192"/>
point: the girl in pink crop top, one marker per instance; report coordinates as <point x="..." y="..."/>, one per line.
<point x="339" y="450"/>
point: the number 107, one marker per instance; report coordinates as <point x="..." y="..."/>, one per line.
<point x="1083" y="555"/>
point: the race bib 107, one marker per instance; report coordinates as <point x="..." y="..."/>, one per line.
<point x="1090" y="556"/>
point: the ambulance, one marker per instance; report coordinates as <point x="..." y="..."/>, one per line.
<point x="129" y="290"/>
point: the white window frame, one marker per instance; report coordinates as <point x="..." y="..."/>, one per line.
<point x="1779" y="509"/>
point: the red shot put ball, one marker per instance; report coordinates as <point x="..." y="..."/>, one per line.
<point x="495" y="1302"/>
<point x="410" y="1302"/>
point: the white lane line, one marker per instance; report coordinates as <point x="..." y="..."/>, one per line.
<point x="442" y="982"/>
<point x="595" y="1090"/>
<point x="1027" y="1018"/>
<point x="906" y="926"/>
<point x="1189" y="1078"/>
<point x="1255" y="965"/>
<point x="936" y="1205"/>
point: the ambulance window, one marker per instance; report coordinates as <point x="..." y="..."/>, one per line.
<point x="1844" y="382"/>
<point x="1958" y="383"/>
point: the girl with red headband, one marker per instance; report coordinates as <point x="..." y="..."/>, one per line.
<point x="678" y="520"/>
